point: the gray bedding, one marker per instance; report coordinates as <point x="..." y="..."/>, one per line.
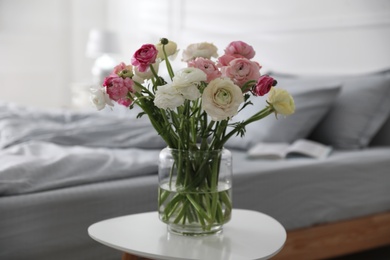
<point x="37" y="166"/>
<point x="108" y="129"/>
<point x="61" y="175"/>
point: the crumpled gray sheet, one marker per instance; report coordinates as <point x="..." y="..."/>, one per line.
<point x="39" y="166"/>
<point x="20" y="124"/>
<point x="50" y="149"/>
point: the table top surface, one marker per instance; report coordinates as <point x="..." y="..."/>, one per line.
<point x="249" y="235"/>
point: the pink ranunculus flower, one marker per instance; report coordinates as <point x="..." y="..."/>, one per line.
<point x="145" y="56"/>
<point x="263" y="85"/>
<point x="123" y="70"/>
<point x="241" y="70"/>
<point x="118" y="88"/>
<point x="118" y="68"/>
<point x="240" y="48"/>
<point x="125" y="102"/>
<point x="225" y="59"/>
<point x="207" y="66"/>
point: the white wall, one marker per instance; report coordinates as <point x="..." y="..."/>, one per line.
<point x="140" y="22"/>
<point x="290" y="36"/>
<point x="42" y="42"/>
<point x="299" y="36"/>
<point x="34" y="36"/>
<point x="42" y="48"/>
<point x="84" y="15"/>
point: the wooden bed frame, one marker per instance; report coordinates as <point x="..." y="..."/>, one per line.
<point x="337" y="239"/>
<point x="331" y="240"/>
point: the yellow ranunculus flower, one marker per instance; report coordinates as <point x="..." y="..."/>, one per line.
<point x="281" y="101"/>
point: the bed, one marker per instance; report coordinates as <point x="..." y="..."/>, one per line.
<point x="61" y="171"/>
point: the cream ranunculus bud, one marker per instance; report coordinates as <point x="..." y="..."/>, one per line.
<point x="281" y="101"/>
<point x="127" y="73"/>
<point x="170" y="49"/>
<point x="123" y="70"/>
<point x="221" y="99"/>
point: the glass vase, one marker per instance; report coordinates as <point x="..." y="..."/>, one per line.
<point x="195" y="190"/>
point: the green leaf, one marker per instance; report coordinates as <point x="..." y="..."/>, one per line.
<point x="141" y="114"/>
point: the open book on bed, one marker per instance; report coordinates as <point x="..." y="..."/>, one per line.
<point x="299" y="148"/>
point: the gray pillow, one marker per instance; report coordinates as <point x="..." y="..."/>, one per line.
<point x="358" y="112"/>
<point x="312" y="101"/>
<point x="382" y="138"/>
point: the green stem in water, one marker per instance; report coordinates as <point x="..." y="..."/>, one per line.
<point x="199" y="210"/>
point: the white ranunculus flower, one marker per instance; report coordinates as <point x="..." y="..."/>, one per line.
<point x="189" y="75"/>
<point x="221" y="99"/>
<point x="100" y="98"/>
<point x="168" y="97"/>
<point x="190" y="92"/>
<point x="203" y="49"/>
<point x="186" y="81"/>
<point x="140" y="77"/>
<point x="170" y="49"/>
<point x="281" y="101"/>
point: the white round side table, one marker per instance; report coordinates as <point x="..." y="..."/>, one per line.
<point x="249" y="235"/>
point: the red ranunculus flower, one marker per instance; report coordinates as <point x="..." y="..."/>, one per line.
<point x="264" y="85"/>
<point x="145" y="56"/>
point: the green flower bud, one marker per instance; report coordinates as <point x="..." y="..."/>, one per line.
<point x="164" y="41"/>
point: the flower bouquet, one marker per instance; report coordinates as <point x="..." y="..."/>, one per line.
<point x="191" y="109"/>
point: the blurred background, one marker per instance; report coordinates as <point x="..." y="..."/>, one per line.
<point x="53" y="51"/>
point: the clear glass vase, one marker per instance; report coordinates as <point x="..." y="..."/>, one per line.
<point x="195" y="190"/>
